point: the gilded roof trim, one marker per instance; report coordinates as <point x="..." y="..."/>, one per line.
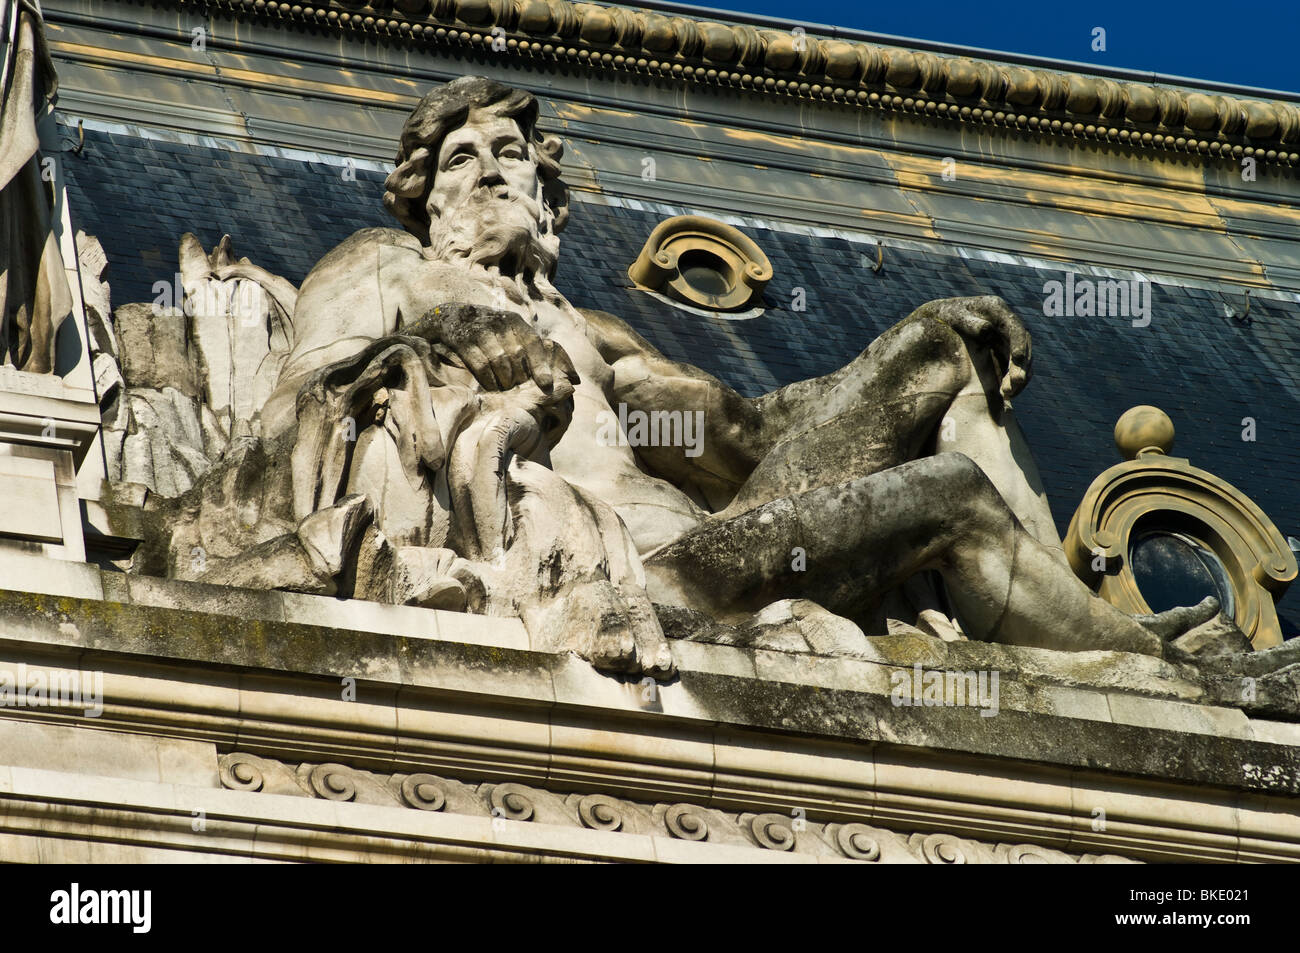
<point x="1064" y="106"/>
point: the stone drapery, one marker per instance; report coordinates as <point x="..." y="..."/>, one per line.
<point x="34" y="294"/>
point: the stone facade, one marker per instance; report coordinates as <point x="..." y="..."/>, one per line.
<point x="386" y="535"/>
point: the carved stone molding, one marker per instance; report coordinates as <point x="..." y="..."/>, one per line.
<point x="1064" y="106"/>
<point x="601" y="812"/>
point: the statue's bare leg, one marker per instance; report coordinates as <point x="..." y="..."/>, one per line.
<point x="866" y="536"/>
<point x="919" y="388"/>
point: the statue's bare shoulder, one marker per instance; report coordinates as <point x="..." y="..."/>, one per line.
<point x="350" y="271"/>
<point x="613" y="336"/>
<point x="360" y="252"/>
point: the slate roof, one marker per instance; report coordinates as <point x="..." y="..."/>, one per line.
<point x="1206" y="370"/>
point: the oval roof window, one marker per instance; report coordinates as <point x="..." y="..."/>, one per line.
<point x="702" y="262"/>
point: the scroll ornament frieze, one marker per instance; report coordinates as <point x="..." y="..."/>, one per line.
<point x="520" y="803"/>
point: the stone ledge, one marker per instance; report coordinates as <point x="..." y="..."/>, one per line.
<point x="148" y="819"/>
<point x="839" y="700"/>
<point x="773" y="63"/>
<point x="333" y="812"/>
<point x="1055" y="682"/>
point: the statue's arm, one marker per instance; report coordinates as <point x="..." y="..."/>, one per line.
<point x="739" y="431"/>
<point x="735" y="437"/>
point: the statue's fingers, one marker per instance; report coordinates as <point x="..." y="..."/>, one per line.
<point x="994" y="307"/>
<point x="512" y="347"/>
<point x="1009" y="326"/>
<point x="476" y="362"/>
<point x="561" y="364"/>
<point x="499" y="361"/>
<point x="1009" y="337"/>
<point x="1021" y="353"/>
<point x="538" y="362"/>
<point x="1014" y="381"/>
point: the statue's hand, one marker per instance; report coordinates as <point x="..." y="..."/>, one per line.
<point x="990" y="322"/>
<point x="500" y="349"/>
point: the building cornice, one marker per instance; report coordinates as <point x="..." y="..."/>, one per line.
<point x="468" y="699"/>
<point x="1069" y="108"/>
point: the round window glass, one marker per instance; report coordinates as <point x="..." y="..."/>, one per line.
<point x="1176" y="570"/>
<point x="705" y="272"/>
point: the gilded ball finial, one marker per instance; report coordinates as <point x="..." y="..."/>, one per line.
<point x="1143" y="428"/>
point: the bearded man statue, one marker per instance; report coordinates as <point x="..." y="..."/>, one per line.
<point x="444" y="404"/>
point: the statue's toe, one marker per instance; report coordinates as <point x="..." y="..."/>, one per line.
<point x="1174" y="622"/>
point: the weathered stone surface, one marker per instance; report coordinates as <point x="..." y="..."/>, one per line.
<point x="31" y="498"/>
<point x="96" y="295"/>
<point x="790" y="625"/>
<point x="155" y="348"/>
<point x="1258" y="663"/>
<point x="67" y="748"/>
<point x="1273" y="694"/>
<point x="438" y="375"/>
<point x="1218" y="637"/>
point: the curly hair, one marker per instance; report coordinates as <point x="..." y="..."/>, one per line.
<point x="406" y="190"/>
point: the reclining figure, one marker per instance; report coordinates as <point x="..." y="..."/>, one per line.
<point x="442" y="407"/>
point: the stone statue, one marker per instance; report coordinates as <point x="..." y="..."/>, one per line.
<point x="434" y="437"/>
<point x="34" y="294"/>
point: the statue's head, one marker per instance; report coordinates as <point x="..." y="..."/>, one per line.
<point x="476" y="181"/>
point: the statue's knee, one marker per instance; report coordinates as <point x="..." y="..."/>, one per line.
<point x="958" y="471"/>
<point x="933" y="349"/>
<point x="968" y="488"/>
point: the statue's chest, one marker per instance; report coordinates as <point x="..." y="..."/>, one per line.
<point x="432" y="283"/>
<point x="566" y="328"/>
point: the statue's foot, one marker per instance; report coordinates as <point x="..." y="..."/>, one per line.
<point x="1171" y="623"/>
<point x="653" y="655"/>
<point x="594" y="620"/>
<point x="1189" y="634"/>
<point x="624" y="635"/>
<point x="428" y="577"/>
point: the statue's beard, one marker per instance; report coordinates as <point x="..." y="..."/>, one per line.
<point x="505" y="236"/>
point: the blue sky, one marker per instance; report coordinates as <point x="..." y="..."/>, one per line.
<point x="1243" y="42"/>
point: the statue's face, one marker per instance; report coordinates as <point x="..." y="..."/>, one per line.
<point x="485" y="177"/>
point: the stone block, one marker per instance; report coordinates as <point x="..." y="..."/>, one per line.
<point x="201" y="597"/>
<point x="31" y="500"/>
<point x="473" y="629"/>
<point x="1067" y="702"/>
<point x="359" y="615"/>
<point x="90" y="750"/>
<point x="1178" y="716"/>
<point x="22" y="572"/>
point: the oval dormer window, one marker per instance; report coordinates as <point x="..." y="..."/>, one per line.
<point x="702" y="262"/>
<point x="1174" y="569"/>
